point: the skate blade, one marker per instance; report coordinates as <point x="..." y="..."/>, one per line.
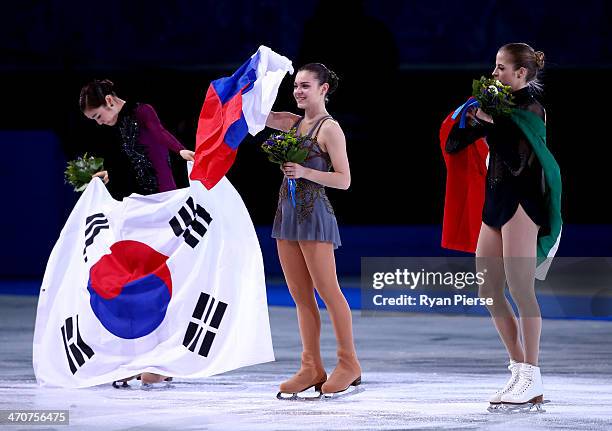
<point x="348" y="392"/>
<point x="156" y="386"/>
<point x="123" y="383"/>
<point x="299" y="396"/>
<point x="524" y="408"/>
<point x="495" y="408"/>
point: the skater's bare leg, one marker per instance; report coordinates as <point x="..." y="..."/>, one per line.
<point x="520" y="236"/>
<point x="319" y="257"/>
<point x="489" y="255"/>
<point x="301" y="288"/>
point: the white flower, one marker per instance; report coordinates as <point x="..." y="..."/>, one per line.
<point x="493" y="90"/>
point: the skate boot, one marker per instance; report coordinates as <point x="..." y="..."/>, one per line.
<point x="124" y="382"/>
<point x="152" y="380"/>
<point x="311" y="374"/>
<point x="346" y="374"/>
<point x="527" y="393"/>
<point x="495" y="401"/>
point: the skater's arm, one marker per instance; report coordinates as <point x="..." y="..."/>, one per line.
<point x="282" y="120"/>
<point x="477" y="126"/>
<point x="147" y="115"/>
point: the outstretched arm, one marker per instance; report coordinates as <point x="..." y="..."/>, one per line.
<point x="282" y="120"/>
<point x="147" y="115"/>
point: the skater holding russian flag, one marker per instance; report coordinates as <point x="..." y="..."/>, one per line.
<point x="306" y="232"/>
<point x="518" y="195"/>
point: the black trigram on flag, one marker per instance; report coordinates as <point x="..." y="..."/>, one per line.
<point x="93" y="225"/>
<point x="208" y="325"/>
<point x="76" y="349"/>
<point x="192" y="215"/>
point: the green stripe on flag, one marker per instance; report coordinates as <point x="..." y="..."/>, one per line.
<point x="534" y="130"/>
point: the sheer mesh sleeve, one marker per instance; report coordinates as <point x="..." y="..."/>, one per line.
<point x="459" y="138"/>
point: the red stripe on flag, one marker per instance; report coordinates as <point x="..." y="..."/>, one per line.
<point x="213" y="157"/>
<point x="465" y="188"/>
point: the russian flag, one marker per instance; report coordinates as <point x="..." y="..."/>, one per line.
<point x="234" y="106"/>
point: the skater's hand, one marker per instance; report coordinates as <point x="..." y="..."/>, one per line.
<point x="103" y="175"/>
<point x="471" y="113"/>
<point x="294" y="170"/>
<point x="481" y="115"/>
<point x="187" y="155"/>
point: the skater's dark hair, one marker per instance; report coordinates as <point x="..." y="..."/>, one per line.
<point x="525" y="56"/>
<point x="323" y="75"/>
<point x="93" y="94"/>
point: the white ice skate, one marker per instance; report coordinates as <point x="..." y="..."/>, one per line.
<point x="496" y="400"/>
<point x="527" y="393"/>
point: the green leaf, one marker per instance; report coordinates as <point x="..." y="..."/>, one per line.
<point x="300" y="155"/>
<point x="78" y="172"/>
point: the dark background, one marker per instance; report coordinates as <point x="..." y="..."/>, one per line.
<point x="403" y="66"/>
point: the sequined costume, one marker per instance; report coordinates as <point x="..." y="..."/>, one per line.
<point x="313" y="217"/>
<point x="514" y="174"/>
<point x="146" y="143"/>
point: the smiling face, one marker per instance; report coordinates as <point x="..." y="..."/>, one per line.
<point x="105" y="114"/>
<point x="307" y="90"/>
<point x="506" y="73"/>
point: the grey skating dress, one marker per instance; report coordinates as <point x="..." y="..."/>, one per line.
<point x="313" y="216"/>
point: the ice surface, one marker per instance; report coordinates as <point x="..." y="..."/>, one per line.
<point x="420" y="371"/>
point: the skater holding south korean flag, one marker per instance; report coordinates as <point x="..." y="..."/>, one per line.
<point x="164" y="285"/>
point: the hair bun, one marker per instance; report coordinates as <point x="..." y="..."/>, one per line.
<point x="323" y="75"/>
<point x="539" y="58"/>
<point x="333" y="81"/>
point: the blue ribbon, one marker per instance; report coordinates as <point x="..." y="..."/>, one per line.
<point x="291" y="183"/>
<point x="463" y="111"/>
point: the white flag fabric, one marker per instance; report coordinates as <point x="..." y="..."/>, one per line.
<point x="270" y="69"/>
<point x="171" y="283"/>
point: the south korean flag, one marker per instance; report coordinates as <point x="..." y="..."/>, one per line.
<point x="171" y="283"/>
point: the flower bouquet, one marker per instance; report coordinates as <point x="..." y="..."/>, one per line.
<point x="79" y="171"/>
<point x="283" y="147"/>
<point x="493" y="97"/>
<point x="488" y="94"/>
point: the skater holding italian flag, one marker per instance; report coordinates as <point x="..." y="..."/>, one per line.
<point x="506" y="208"/>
